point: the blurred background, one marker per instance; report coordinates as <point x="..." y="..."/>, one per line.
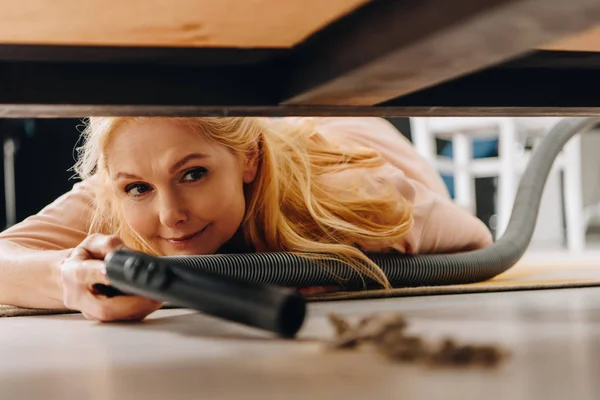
<point x="480" y="160"/>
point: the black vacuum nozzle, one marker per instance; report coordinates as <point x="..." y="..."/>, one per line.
<point x="274" y="308"/>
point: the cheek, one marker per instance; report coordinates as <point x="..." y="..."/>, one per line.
<point x="222" y="202"/>
<point x="139" y="217"/>
<point x="218" y="203"/>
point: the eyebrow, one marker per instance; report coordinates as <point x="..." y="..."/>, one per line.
<point x="185" y="160"/>
<point x="172" y="169"/>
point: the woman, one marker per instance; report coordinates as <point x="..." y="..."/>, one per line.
<point x="171" y="186"/>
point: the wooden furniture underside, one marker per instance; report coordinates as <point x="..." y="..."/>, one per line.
<point x="70" y="58"/>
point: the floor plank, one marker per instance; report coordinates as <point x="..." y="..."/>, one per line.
<point x="553" y="335"/>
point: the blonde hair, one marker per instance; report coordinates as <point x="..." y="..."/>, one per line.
<point x="293" y="205"/>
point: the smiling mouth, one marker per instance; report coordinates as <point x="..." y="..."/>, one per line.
<point x="185" y="239"/>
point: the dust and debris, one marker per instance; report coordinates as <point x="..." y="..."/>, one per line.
<point x="340" y="325"/>
<point x="387" y="334"/>
<point x="451" y="353"/>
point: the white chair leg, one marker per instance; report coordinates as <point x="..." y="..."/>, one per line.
<point x="464" y="187"/>
<point x="423" y="140"/>
<point x="507" y="176"/>
<point x="9" y="182"/>
<point x="573" y="196"/>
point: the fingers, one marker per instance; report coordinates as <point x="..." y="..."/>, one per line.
<point x="123" y="308"/>
<point x="97" y="246"/>
<point x="77" y="279"/>
<point x="83" y="272"/>
<point x="84" y="264"/>
<point x="129" y="308"/>
<point x="84" y="268"/>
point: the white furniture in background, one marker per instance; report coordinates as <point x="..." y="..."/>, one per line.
<point x="10" y="197"/>
<point x="507" y="167"/>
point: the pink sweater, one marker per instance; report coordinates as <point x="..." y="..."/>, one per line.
<point x="439" y="225"/>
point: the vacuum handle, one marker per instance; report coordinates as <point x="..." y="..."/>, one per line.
<point x="274" y="308"/>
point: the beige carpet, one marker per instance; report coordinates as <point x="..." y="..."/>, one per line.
<point x="520" y="277"/>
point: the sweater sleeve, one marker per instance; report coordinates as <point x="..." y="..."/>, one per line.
<point x="60" y="225"/>
<point x="440" y="226"/>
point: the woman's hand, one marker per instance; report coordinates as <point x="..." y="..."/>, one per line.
<point x="83" y="268"/>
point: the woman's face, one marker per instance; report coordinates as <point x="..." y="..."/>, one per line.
<point x="179" y="191"/>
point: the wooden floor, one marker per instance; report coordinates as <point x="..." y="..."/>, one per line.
<point x="554" y="337"/>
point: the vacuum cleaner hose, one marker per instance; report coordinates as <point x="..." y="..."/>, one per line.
<point x="412" y="270"/>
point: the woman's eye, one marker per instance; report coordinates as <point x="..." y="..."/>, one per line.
<point x="194" y="174"/>
<point x="137" y="189"/>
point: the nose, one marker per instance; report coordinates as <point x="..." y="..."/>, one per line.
<point x="172" y="211"/>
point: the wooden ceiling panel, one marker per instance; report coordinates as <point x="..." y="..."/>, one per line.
<point x="588" y="40"/>
<point x="175" y="23"/>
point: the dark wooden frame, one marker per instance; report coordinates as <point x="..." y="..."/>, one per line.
<point x="388" y="58"/>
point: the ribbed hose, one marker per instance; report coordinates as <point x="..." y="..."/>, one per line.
<point x="419" y="270"/>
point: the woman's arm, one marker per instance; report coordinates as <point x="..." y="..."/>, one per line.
<point x="30" y="278"/>
<point x="440" y="226"/>
<point x="32" y="251"/>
